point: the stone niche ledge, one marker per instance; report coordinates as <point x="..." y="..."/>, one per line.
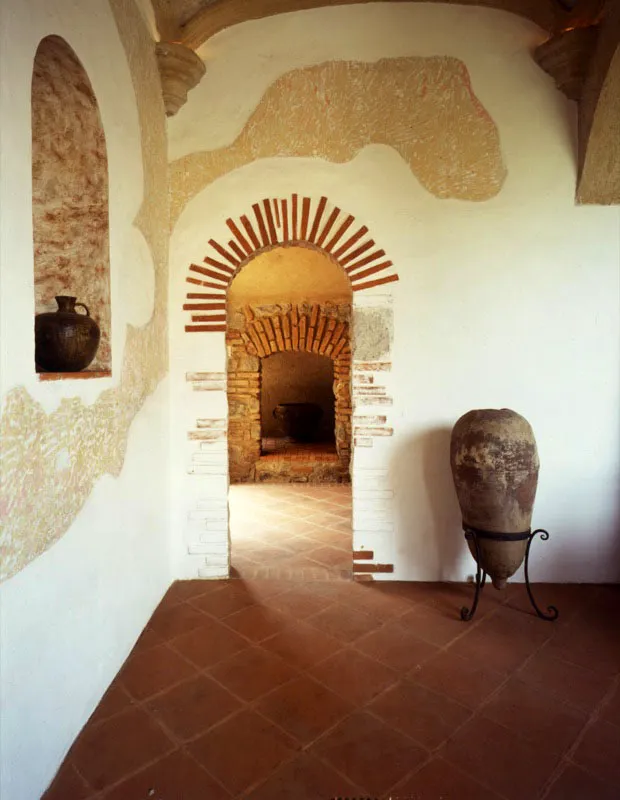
<point x="76" y="376"/>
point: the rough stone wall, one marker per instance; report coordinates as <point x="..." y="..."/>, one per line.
<point x="69" y="189"/>
<point x="258" y="331"/>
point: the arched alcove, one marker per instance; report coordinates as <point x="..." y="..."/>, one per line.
<point x="70" y="191"/>
<point x="288" y="319"/>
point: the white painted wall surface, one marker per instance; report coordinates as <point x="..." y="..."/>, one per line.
<point x="69" y="619"/>
<point x="511" y="302"/>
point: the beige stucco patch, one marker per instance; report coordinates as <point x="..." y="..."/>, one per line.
<point x="424" y="108"/>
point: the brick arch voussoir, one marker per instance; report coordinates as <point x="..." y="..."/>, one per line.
<point x="280" y="222"/>
<point x="304" y="328"/>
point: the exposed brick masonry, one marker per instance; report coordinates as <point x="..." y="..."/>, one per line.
<point x="315" y="328"/>
<point x="280" y="223"/>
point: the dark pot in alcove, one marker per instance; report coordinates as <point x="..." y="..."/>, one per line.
<point x="65" y="340"/>
<point x="495" y="464"/>
<point x="299" y="420"/>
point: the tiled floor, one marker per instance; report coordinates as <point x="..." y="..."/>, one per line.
<point x="283" y="690"/>
<point x="291" y="531"/>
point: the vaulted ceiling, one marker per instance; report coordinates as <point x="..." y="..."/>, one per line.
<point x="192" y="22"/>
<point x="585" y="66"/>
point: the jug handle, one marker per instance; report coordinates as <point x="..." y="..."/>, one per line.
<point x="85" y="307"/>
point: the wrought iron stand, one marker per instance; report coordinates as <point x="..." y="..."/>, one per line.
<point x="476" y="534"/>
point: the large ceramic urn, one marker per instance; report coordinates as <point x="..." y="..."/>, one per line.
<point x="495" y="469"/>
<point x="65" y="340"/>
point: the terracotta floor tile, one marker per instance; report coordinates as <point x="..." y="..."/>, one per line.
<point x="304" y="778"/>
<point x="440" y="780"/>
<point x="257" y="622"/>
<point x="567" y="598"/>
<point x="148" y="638"/>
<point x="233" y="597"/>
<point x="426" y="716"/>
<point x="154" y="670"/>
<point x="433" y="625"/>
<point x="116" y="699"/>
<point x="180" y="591"/>
<point x="175" y="777"/>
<point x="611" y="710"/>
<point x="590" y="643"/>
<point x="331" y="556"/>
<point x="396" y="646"/>
<point x="343" y="623"/>
<point x="191" y="707"/>
<point x="500" y="759"/>
<point x="466" y="681"/>
<point x="175" y="620"/>
<point x="304" y="708"/>
<point x="380" y="599"/>
<point x="369" y="753"/>
<point x="449" y="598"/>
<point x="108" y="752"/>
<point x="243" y="750"/>
<point x="300" y="545"/>
<point x="599" y="752"/>
<point x="302" y="646"/>
<point x="207" y="645"/>
<point x="543" y="719"/>
<point x="67" y="785"/>
<point x="253" y="672"/>
<point x="579" y="686"/>
<point x="576" y="784"/>
<point x="504" y="640"/>
<point x="354" y="676"/>
<point x="401" y="648"/>
<point x="262" y="591"/>
<point x="300" y="603"/>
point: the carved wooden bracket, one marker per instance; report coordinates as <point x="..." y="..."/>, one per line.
<point x="180" y="69"/>
<point x="566" y="57"/>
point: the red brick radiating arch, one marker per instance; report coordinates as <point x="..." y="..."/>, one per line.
<point x="282" y="223"/>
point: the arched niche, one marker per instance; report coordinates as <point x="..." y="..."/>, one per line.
<point x="287" y="334"/>
<point x="70" y="191"/>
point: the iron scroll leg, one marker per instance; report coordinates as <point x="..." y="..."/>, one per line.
<point x="475" y="534"/>
<point x="553" y="612"/>
<point x="481" y="576"/>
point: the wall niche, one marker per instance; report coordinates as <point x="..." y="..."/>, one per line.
<point x="70" y="194"/>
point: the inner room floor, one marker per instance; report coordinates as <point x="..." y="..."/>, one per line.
<point x="290" y="690"/>
<point x="291" y="531"/>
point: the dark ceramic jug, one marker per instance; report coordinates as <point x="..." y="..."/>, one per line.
<point x="298" y="420"/>
<point x="495" y="469"/>
<point x="65" y="341"/>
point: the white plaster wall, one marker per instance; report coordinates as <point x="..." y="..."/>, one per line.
<point x="69" y="619"/>
<point x="511" y="302"/>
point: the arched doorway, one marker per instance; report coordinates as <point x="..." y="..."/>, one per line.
<point x="288" y="352"/>
<point x="292" y="241"/>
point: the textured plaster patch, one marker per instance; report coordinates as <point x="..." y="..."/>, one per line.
<point x="38" y="503"/>
<point x="372" y="330"/>
<point x="425" y="108"/>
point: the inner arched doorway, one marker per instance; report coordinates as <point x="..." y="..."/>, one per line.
<point x="289" y="361"/>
